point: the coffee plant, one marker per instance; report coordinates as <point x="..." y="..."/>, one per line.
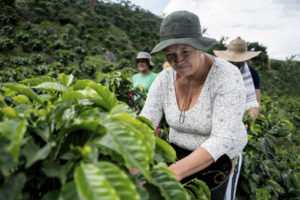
<point x="71" y="139"/>
<point x="270" y="165"/>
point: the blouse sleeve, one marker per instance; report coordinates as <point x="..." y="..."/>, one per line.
<point x="228" y="134"/>
<point x="153" y="108"/>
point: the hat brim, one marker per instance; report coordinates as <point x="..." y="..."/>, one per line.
<point x="202" y="43"/>
<point x="233" y="56"/>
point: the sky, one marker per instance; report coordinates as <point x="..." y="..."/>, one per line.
<point x="274" y="24"/>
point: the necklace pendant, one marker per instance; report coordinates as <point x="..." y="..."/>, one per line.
<point x="181" y="117"/>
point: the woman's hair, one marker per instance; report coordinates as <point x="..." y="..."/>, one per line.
<point x="147" y="61"/>
<point x="145" y="56"/>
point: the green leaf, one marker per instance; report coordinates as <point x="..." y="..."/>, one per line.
<point x="81" y="84"/>
<point x="296" y="181"/>
<point x="52" y="86"/>
<point x="198" y="192"/>
<point x="275" y="186"/>
<point x="33" y="153"/>
<point x="53" y="169"/>
<point x="108" y="100"/>
<point x="108" y="147"/>
<point x="12" y="188"/>
<point x="169" y="187"/>
<point x="21" y="99"/>
<point x="130" y="145"/>
<point x="119" y="180"/>
<point x="9" y="112"/>
<point x="23" y="108"/>
<point x="146" y="121"/>
<point x="9" y="92"/>
<point x="68" y="192"/>
<point x="266" y="144"/>
<point x="2" y="102"/>
<point x="288" y="123"/>
<point x="191" y="194"/>
<point x="71" y="96"/>
<point x="47" y="97"/>
<point x="204" y="188"/>
<point x="7" y="162"/>
<point x="145" y="133"/>
<point x="43" y="130"/>
<point x="255" y="128"/>
<point x="23" y="89"/>
<point x="51" y="195"/>
<point x="165" y="150"/>
<point x="64" y="114"/>
<point x="262" y="194"/>
<point x="66" y="80"/>
<point x="153" y="192"/>
<point x="92" y="126"/>
<point x="92" y="184"/>
<point x="13" y="130"/>
<point x="122" y="108"/>
<point x="36" y="81"/>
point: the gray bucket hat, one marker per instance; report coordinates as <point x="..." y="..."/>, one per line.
<point x="182" y="27"/>
<point x="145" y="55"/>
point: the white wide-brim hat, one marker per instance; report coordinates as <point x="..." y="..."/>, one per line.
<point x="145" y="55"/>
<point x="236" y="51"/>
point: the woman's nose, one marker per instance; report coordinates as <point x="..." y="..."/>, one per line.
<point x="179" y="58"/>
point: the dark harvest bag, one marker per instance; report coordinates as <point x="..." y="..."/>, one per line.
<point x="215" y="176"/>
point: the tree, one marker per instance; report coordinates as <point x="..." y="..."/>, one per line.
<point x="262" y="58"/>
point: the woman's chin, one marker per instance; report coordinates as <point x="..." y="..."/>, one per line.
<point x="183" y="72"/>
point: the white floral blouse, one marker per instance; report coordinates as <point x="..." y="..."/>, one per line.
<point x="214" y="122"/>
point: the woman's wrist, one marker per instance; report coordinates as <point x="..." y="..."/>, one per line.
<point x="176" y="172"/>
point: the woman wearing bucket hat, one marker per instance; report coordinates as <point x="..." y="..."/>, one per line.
<point x="237" y="54"/>
<point x="202" y="98"/>
<point x="144" y="65"/>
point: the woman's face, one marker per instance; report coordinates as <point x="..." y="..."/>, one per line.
<point x="238" y="64"/>
<point x="143" y="66"/>
<point x="183" y="58"/>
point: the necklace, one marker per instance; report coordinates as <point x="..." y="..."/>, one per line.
<point x="182" y="112"/>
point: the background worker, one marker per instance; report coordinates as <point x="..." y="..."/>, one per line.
<point x="145" y="77"/>
<point x="237" y="54"/>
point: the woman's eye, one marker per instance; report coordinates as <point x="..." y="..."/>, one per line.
<point x="186" y="53"/>
<point x="170" y="57"/>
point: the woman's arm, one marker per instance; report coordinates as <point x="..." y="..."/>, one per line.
<point x="191" y="164"/>
<point x="153" y="108"/>
<point x="228" y="134"/>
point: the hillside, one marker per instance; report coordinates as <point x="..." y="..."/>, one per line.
<point x="73" y="34"/>
<point x="90" y="36"/>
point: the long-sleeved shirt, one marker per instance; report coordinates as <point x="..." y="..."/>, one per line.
<point x="214" y="122"/>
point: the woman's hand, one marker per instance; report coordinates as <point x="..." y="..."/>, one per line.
<point x="191" y="164"/>
<point x="254" y="112"/>
<point x="133" y="171"/>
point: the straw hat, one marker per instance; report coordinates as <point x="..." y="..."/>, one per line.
<point x="145" y="55"/>
<point x="236" y="51"/>
<point x="182" y="27"/>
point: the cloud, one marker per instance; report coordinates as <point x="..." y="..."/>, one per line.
<point x="155" y="6"/>
<point x="253" y="26"/>
<point x="290" y="8"/>
<point x="272" y="23"/>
